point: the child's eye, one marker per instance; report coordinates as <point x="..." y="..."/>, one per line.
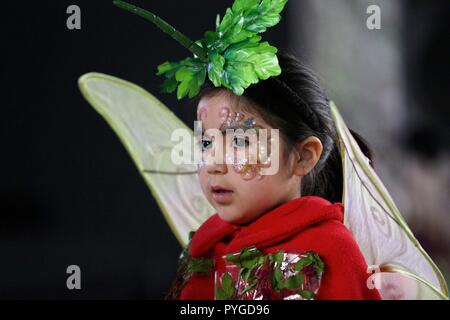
<point x="205" y="144"/>
<point x="240" y="142"/>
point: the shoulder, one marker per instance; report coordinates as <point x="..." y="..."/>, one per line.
<point x="334" y="243"/>
<point x="345" y="272"/>
<point x="345" y="268"/>
<point x="327" y="236"/>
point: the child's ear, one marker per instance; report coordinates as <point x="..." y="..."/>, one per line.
<point x="307" y="156"/>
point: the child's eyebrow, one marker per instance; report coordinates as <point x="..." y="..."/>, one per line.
<point x="243" y="127"/>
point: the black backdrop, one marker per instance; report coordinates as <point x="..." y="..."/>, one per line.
<point x="70" y="193"/>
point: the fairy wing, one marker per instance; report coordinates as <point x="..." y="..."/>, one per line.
<point x="145" y="126"/>
<point x="405" y="271"/>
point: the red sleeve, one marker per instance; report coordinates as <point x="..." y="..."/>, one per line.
<point x="345" y="273"/>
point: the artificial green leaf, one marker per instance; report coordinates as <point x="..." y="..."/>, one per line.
<point x="200" y="80"/>
<point x="303" y="262"/>
<point x="229" y="31"/>
<point x="200" y="265"/>
<point x="261" y="260"/>
<point x="294" y="281"/>
<point x="226" y="291"/>
<point x="244" y="5"/>
<point x="169" y="85"/>
<point x="234" y="258"/>
<point x="306" y="294"/>
<point x="184" y="88"/>
<point x="246" y="274"/>
<point x="277" y="257"/>
<point x="169" y="69"/>
<point x="227" y="280"/>
<point x="249" y="263"/>
<point x="247" y="63"/>
<point x="236" y="58"/>
<point x="239" y="76"/>
<point x="166" y="67"/>
<point x="219" y="294"/>
<point x="185" y="73"/>
<point x="318" y="263"/>
<point x="262" y="56"/>
<point x="244" y="20"/>
<point x="263" y="16"/>
<point x="277" y="278"/>
<point x="215" y="68"/>
<point x="189" y="73"/>
<point x="231" y="24"/>
<point x="211" y="41"/>
<point x="249" y="257"/>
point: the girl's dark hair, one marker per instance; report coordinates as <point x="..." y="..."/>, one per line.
<point x="295" y="103"/>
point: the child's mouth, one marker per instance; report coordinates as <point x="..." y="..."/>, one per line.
<point x="221" y="195"/>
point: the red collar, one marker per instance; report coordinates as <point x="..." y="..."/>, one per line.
<point x="275" y="226"/>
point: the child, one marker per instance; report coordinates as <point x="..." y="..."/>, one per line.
<point x="317" y="227"/>
<point x="292" y="210"/>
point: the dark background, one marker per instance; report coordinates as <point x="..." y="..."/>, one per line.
<point x="70" y="193"/>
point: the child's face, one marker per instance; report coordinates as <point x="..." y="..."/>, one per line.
<point x="250" y="194"/>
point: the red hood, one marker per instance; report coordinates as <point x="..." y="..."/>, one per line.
<point x="275" y="226"/>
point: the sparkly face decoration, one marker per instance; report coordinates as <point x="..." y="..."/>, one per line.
<point x="247" y="163"/>
<point x="246" y="151"/>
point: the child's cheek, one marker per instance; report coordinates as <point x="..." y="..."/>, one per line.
<point x="250" y="170"/>
<point x="246" y="171"/>
<point x="203" y="180"/>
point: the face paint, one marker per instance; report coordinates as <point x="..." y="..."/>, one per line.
<point x="247" y="170"/>
<point x="223" y="114"/>
<point x="234" y="120"/>
<point x="202" y="114"/>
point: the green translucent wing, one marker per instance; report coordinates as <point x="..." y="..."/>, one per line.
<point x="405" y="269"/>
<point x="145" y="126"/>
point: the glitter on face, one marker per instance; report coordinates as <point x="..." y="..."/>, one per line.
<point x="242" y="166"/>
<point x="233" y="120"/>
<point x="223" y="114"/>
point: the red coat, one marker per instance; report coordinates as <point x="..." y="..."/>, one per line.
<point x="307" y="223"/>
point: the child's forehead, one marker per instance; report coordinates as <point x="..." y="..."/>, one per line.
<point x="218" y="101"/>
<point x="215" y="109"/>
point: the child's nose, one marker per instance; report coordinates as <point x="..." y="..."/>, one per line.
<point x="216" y="165"/>
<point x="215" y="168"/>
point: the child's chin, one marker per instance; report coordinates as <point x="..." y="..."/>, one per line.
<point x="233" y="218"/>
<point x="228" y="216"/>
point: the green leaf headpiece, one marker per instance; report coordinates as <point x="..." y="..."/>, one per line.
<point x="232" y="56"/>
